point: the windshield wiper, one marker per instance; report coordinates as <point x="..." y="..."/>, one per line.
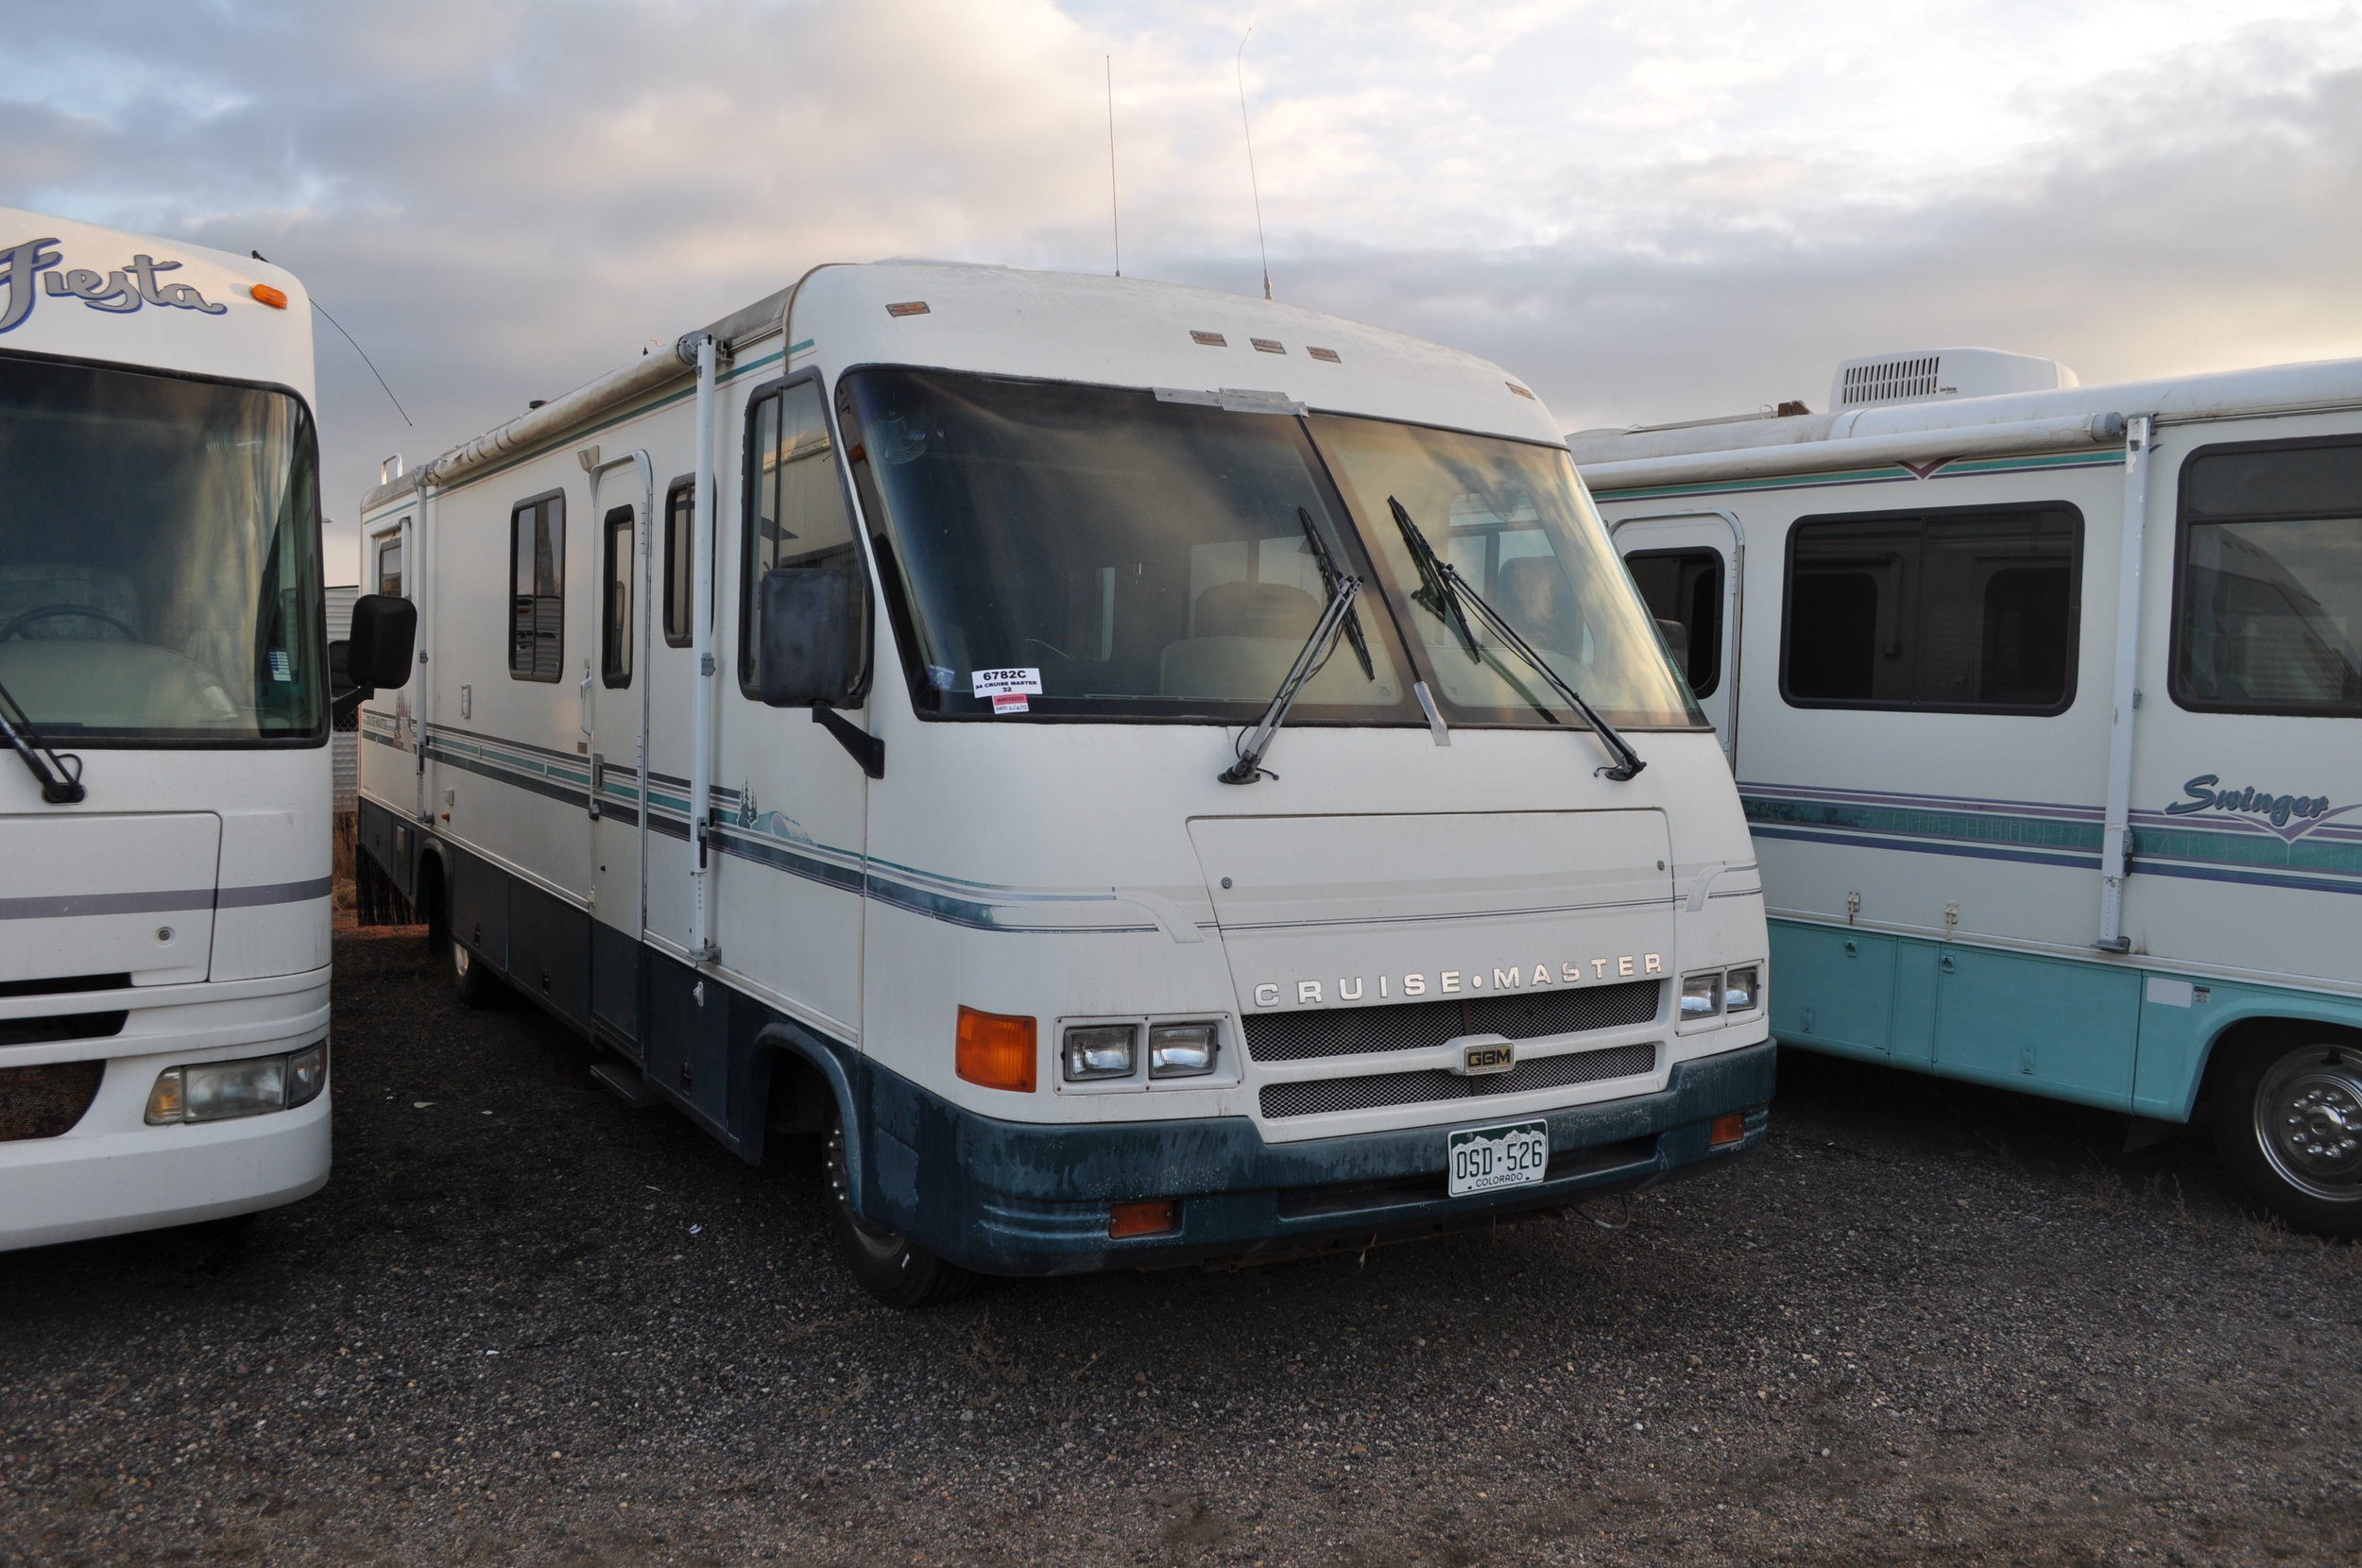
<point x="60" y="784"/>
<point x="1330" y="576"/>
<point x="1442" y="587"/>
<point x="1317" y="647"/>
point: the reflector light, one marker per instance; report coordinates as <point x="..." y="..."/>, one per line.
<point x="909" y="307"/>
<point x="269" y="296"/>
<point x="1153" y="1217"/>
<point x="1328" y="354"/>
<point x="1727" y="1131"/>
<point x="1209" y="340"/>
<point x="996" y="1050"/>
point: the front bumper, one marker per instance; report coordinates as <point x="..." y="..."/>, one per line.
<point x="1020" y="1197"/>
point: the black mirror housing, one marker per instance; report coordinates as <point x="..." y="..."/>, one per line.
<point x="383" y="640"/>
<point x="807" y="613"/>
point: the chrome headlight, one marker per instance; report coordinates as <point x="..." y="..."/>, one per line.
<point x="1180" y="1051"/>
<point x="1740" y="989"/>
<point x="1100" y="1051"/>
<point x="218" y="1091"/>
<point x="1702" y="996"/>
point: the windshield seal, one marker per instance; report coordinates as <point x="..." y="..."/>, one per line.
<point x="160" y="557"/>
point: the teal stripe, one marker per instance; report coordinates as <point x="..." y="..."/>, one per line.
<point x="1920" y="822"/>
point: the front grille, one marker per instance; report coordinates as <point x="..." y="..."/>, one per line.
<point x="44" y="1101"/>
<point x="1322" y="1095"/>
<point x="63" y="983"/>
<point x="1414" y="1026"/>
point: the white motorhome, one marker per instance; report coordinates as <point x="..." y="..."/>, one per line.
<point x="2046" y="707"/>
<point x="873" y="718"/>
<point x="164" y="706"/>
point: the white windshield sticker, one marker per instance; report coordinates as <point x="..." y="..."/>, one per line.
<point x="1007" y="682"/>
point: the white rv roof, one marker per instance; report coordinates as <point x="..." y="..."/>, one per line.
<point x="78" y="291"/>
<point x="1061" y="326"/>
<point x="2319" y="383"/>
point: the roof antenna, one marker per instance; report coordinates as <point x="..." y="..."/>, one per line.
<point x="349" y="338"/>
<point x="1115" y="218"/>
<point x="1238" y="64"/>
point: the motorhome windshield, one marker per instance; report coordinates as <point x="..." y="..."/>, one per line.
<point x="1509" y="515"/>
<point x="1120" y="554"/>
<point x="158" y="558"/>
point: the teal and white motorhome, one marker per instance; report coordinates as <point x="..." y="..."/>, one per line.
<point x="873" y="718"/>
<point x="2046" y="707"/>
<point x="163" y="737"/>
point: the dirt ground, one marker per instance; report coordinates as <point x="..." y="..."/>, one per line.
<point x="1924" y="1323"/>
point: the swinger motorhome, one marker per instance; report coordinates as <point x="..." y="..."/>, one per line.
<point x="163" y="708"/>
<point x="1147" y="776"/>
<point x="2046" y="711"/>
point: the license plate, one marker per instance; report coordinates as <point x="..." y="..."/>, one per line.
<point x="1478" y="1159"/>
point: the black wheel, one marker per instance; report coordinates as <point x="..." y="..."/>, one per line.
<point x="896" y="1270"/>
<point x="2288" y="1121"/>
<point x="477" y="985"/>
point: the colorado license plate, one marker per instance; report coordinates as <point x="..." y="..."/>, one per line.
<point x="1482" y="1158"/>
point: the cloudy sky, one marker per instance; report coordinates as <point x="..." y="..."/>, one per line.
<point x="1649" y="209"/>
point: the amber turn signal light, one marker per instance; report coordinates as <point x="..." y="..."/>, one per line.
<point x="996" y="1050"/>
<point x="1153" y="1217"/>
<point x="1727" y="1131"/>
<point x="269" y="296"/>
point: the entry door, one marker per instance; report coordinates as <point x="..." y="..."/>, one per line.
<point x="615" y="689"/>
<point x="1688" y="569"/>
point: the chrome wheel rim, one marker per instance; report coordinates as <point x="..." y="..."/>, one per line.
<point x="2308" y="1120"/>
<point x="460" y="960"/>
<point x="883" y="1245"/>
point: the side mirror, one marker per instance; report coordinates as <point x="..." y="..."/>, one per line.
<point x="339" y="667"/>
<point x="807" y="613"/>
<point x="383" y="641"/>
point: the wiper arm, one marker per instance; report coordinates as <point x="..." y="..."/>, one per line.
<point x="1317" y="647"/>
<point x="60" y="784"/>
<point x="1436" y="587"/>
<point x="1455" y="589"/>
<point x="1330" y="576"/>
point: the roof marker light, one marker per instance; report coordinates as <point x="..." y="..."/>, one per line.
<point x="1520" y="390"/>
<point x="1209" y="340"/>
<point x="275" y="299"/>
<point x="1328" y="354"/>
<point x="1268" y="346"/>
<point x="909" y="307"/>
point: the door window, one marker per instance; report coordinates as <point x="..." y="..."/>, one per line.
<point x="681" y="560"/>
<point x="1684" y="587"/>
<point x="389" y="565"/>
<point x="537" y="588"/>
<point x="615" y="599"/>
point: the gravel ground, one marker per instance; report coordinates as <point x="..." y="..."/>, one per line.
<point x="525" y="1323"/>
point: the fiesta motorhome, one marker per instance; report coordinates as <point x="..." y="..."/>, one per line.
<point x="165" y="813"/>
<point x="1109" y="757"/>
<point x="2046" y="711"/>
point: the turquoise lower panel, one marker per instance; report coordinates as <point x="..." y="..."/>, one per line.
<point x="2093" y="1030"/>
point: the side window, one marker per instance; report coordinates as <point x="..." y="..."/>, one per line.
<point x="2267" y="581"/>
<point x="617" y="549"/>
<point x="795" y="516"/>
<point x="1968" y="610"/>
<point x="1685" y="586"/>
<point x="389" y="564"/>
<point x="681" y="560"/>
<point x="537" y="588"/>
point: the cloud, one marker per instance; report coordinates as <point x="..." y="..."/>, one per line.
<point x="1657" y="211"/>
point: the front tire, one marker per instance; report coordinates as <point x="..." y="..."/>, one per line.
<point x="893" y="1268"/>
<point x="473" y="979"/>
<point x="2287" y="1121"/>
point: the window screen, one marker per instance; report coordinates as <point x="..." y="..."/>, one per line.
<point x="2268" y="605"/>
<point x="389" y="565"/>
<point x="681" y="560"/>
<point x="1685" y="586"/>
<point x="797" y="518"/>
<point x="1959" y="610"/>
<point x="615" y="598"/>
<point x="537" y="588"/>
